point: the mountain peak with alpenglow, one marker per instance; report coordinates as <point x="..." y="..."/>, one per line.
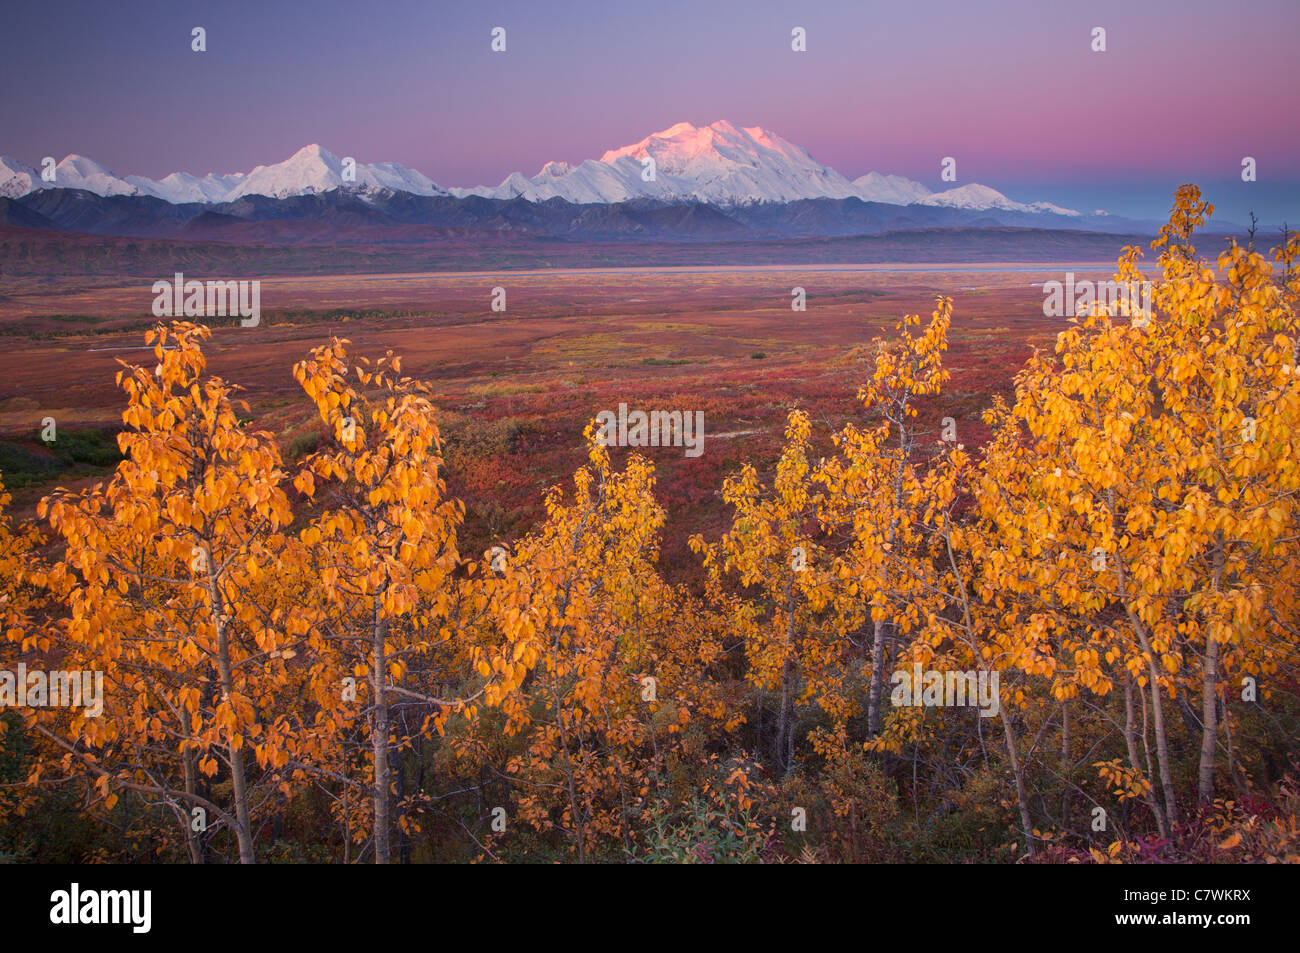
<point x="725" y="164"/>
<point x="721" y="143"/>
<point x="720" y="163"/>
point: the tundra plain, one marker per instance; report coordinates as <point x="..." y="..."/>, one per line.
<point x="515" y="388"/>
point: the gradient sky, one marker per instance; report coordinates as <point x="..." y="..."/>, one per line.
<point x="1011" y="89"/>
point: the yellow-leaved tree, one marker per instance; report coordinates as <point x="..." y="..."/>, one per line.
<point x="873" y="488"/>
<point x="622" y="663"/>
<point x="1140" y="499"/>
<point x="394" y="596"/>
<point x="794" y="614"/>
<point x="169" y="580"/>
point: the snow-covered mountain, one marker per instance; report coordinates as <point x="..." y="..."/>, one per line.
<point x="889" y="189"/>
<point x="313" y="169"/>
<point x="74" y="172"/>
<point x="182" y="187"/>
<point x="721" y="164"/>
<point x="17" y="179"/>
<point x="727" y="165"/>
<point x="310" y="170"/>
<point x="79" y="172"/>
<point x="981" y="197"/>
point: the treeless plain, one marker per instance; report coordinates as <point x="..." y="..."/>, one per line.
<point x="516" y="388"/>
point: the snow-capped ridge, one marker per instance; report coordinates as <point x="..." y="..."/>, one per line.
<point x="17" y="178"/>
<point x="981" y="197"/>
<point x="314" y="169"/>
<point x="889" y="189"/>
<point x="181" y="187"/>
<point x="80" y="172"/>
<point x="720" y="163"/>
<point x="310" y="170"/>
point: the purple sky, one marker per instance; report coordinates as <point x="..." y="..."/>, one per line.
<point x="1011" y="89"/>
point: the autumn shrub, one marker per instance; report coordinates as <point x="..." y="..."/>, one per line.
<point x="699" y="833"/>
<point x="1257" y="831"/>
<point x="726" y="819"/>
<point x="302" y="444"/>
<point x="858" y="803"/>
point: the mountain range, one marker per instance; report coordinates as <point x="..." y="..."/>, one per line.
<point x="719" y="164"/>
<point x="714" y="182"/>
<point x="308" y="171"/>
